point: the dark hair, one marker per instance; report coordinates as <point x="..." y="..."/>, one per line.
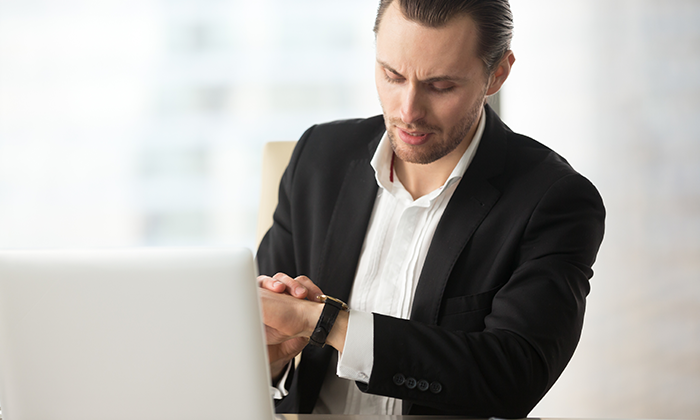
<point x="493" y="18"/>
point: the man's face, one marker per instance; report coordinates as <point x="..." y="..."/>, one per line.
<point x="431" y="85"/>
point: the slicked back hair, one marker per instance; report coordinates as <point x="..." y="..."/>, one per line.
<point x="493" y="19"/>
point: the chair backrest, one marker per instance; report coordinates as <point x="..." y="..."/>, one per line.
<point x="276" y="156"/>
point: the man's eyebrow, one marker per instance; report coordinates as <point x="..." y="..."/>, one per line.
<point x="430" y="80"/>
<point x="388" y="67"/>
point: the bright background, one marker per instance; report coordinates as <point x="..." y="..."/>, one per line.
<point x="141" y="122"/>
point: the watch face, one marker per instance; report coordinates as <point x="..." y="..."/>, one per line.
<point x="328" y="299"/>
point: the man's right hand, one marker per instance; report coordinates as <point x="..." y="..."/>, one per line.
<point x="280" y="354"/>
<point x="301" y="287"/>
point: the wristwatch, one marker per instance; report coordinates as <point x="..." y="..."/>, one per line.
<point x="331" y="308"/>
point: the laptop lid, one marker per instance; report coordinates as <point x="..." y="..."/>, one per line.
<point x="138" y="334"/>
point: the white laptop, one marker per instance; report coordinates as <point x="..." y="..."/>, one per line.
<point x="131" y="334"/>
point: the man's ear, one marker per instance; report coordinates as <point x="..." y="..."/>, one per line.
<point x="499" y="76"/>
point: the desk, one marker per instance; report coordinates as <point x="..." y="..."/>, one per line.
<point x="370" y="417"/>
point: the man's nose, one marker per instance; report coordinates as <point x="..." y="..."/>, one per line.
<point x="412" y="107"/>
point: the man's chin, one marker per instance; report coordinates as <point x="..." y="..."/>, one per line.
<point x="420" y="155"/>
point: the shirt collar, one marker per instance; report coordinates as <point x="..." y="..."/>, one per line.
<point x="381" y="161"/>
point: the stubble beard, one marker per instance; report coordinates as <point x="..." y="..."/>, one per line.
<point x="433" y="150"/>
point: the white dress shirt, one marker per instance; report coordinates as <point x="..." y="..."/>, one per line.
<point x="397" y="242"/>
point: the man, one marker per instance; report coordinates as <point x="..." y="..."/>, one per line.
<point x="463" y="249"/>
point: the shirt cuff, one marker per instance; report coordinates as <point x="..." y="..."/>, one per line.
<point x="357" y="358"/>
<point x="278" y="392"/>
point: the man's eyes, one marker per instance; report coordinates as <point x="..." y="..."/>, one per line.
<point x="438" y="87"/>
<point x="391" y="77"/>
<point x="442" y="86"/>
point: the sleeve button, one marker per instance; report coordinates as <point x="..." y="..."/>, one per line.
<point x="411" y="383"/>
<point x="435" y="387"/>
<point x="423" y="385"/>
<point x="399" y="379"/>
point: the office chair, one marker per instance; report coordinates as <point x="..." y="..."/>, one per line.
<point x="276" y="156"/>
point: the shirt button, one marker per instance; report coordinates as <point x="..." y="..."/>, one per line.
<point x="435" y="387"/>
<point x="399" y="379"/>
<point x="363" y="376"/>
<point x="411" y="383"/>
<point x="423" y="385"/>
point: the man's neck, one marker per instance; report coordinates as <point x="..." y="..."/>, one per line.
<point x="422" y="179"/>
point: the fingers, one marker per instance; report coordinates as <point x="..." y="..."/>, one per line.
<point x="300" y="287"/>
<point x="271" y="284"/>
<point x="312" y="291"/>
<point x="293" y="286"/>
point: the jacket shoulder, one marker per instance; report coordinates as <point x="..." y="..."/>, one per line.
<point x="352" y="138"/>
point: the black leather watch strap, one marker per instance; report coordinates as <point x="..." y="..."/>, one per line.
<point x="325" y="322"/>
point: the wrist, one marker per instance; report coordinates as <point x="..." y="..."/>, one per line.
<point x="313" y="313"/>
<point x="336" y="338"/>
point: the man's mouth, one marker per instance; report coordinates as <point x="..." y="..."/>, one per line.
<point x="411" y="137"/>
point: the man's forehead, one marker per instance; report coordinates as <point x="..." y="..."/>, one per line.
<point x="444" y="52"/>
<point x="436" y="75"/>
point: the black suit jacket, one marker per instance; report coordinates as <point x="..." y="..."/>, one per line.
<point x="499" y="306"/>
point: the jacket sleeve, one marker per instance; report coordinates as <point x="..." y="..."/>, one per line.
<point x="530" y="334"/>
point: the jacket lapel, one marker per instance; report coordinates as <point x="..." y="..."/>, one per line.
<point x="469" y="205"/>
<point x="348" y="225"/>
